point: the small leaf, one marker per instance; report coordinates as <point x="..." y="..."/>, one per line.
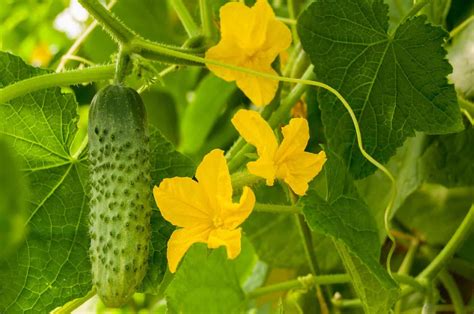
<point x="344" y="217"/>
<point x="394" y="84"/>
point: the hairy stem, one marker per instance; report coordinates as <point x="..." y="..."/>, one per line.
<point x="186" y="19"/>
<point x="39" y="82"/>
<point x="75" y="46"/>
<point x="208" y="29"/>
<point x="111" y="24"/>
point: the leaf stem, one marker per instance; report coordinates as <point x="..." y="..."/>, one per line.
<point x="208" y="29"/>
<point x="455" y="31"/>
<point x="291" y="13"/>
<point x="453" y="291"/>
<point x="109" y="21"/>
<point x="277" y="208"/>
<point x="415" y="9"/>
<point x="307" y="239"/>
<point x="39" y="82"/>
<point x="75" y="46"/>
<point x="187" y="20"/>
<point x="299" y="283"/>
<point x="74" y="304"/>
<point x="440" y="261"/>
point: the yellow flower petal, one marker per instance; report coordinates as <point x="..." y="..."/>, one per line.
<point x="295" y="139"/>
<point x="264" y="168"/>
<point x="256" y="131"/>
<point x="182" y="202"/>
<point x="278" y="39"/>
<point x="181" y="240"/>
<point x="260" y="91"/>
<point x="214" y="178"/>
<point x="300" y="169"/>
<point x="250" y="38"/>
<point x="235" y="214"/>
<point x="228" y="52"/>
<point x="228" y="238"/>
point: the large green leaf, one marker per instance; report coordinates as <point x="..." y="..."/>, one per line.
<point x="52" y="267"/>
<point x="343" y="216"/>
<point x="12" y="201"/>
<point x="395" y="84"/>
<point x="206" y="282"/>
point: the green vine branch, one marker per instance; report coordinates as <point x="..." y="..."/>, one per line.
<point x="87" y="75"/>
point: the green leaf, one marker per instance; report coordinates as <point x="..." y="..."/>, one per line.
<point x="394" y="84"/>
<point x="212" y="96"/>
<point x="343" y="216"/>
<point x="206" y="282"/>
<point x="13" y="190"/>
<point x="52" y="266"/>
<point x="449" y="159"/>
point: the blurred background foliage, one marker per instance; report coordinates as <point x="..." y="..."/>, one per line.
<point x="193" y="109"/>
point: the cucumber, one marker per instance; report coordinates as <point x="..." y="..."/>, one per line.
<point x="120" y="208"/>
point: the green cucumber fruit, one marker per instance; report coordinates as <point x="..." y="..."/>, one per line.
<point x="120" y="212"/>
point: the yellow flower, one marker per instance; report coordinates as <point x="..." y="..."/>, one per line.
<point x="287" y="161"/>
<point x="203" y="210"/>
<point x="250" y="38"/>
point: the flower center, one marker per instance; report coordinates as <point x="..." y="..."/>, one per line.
<point x="217" y="222"/>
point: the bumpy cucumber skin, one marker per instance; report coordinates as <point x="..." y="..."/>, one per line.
<point x="120" y="193"/>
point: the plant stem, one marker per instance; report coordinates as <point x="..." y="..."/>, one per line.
<point x="415" y="9"/>
<point x="123" y="59"/>
<point x="111" y="24"/>
<point x="277" y="208"/>
<point x="205" y="10"/>
<point x="75" y="46"/>
<point x="186" y="19"/>
<point x="299" y="283"/>
<point x="405" y="268"/>
<point x="74" y="304"/>
<point x="307" y="239"/>
<point x="291" y="13"/>
<point x="453" y="291"/>
<point x="243" y="178"/>
<point x="440" y="261"/>
<point x="455" y="31"/>
<point x="39" y="82"/>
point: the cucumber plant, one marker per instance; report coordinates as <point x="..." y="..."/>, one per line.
<point x="385" y="88"/>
